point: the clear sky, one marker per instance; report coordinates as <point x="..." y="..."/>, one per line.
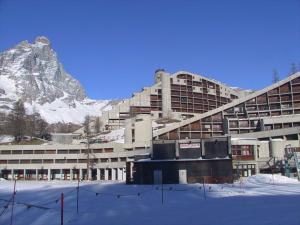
<point x="113" y="47"/>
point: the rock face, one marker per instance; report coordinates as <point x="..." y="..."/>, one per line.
<point x="33" y="73"/>
<point x="37" y="73"/>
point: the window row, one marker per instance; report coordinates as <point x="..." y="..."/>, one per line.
<point x="60" y="151"/>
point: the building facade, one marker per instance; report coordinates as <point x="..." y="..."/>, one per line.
<point x="177" y="96"/>
<point x="261" y="125"/>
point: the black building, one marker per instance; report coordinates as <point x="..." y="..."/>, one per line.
<point x="184" y="161"/>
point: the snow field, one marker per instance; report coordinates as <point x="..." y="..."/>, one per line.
<point x="256" y="200"/>
<point x="6" y="138"/>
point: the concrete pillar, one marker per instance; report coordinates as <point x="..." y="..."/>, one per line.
<point x="49" y="174"/>
<point x="120" y="174"/>
<point x="98" y="174"/>
<point x="166" y="94"/>
<point x="24" y="174"/>
<point x="113" y="174"/>
<point x="80" y="174"/>
<point x="71" y="174"/>
<point x="36" y="174"/>
<point x="12" y="174"/>
<point x="128" y="131"/>
<point x="90" y="173"/>
<point x="61" y="174"/>
<point x="106" y="174"/>
<point x="124" y="174"/>
<point x="256" y="159"/>
<point x="143" y="129"/>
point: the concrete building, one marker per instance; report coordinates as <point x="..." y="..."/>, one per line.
<point x="67" y="162"/>
<point x="184" y="161"/>
<point x="271" y="114"/>
<point x="262" y="126"/>
<point x="173" y="96"/>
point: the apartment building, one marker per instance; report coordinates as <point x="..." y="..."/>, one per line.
<point x="67" y="162"/>
<point x="175" y="96"/>
<point x="261" y="125"/>
<point x="270" y="113"/>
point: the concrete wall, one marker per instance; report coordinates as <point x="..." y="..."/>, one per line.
<point x="277" y="147"/>
<point x="166" y="95"/>
<point x="115" y="158"/>
<point x="143" y="129"/>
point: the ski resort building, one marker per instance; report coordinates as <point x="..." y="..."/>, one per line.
<point x="262" y="129"/>
<point x="184" y="161"/>
<point x="177" y="96"/>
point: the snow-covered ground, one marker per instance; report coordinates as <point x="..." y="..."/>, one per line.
<point x="60" y="111"/>
<point x="258" y="200"/>
<point x="114" y="135"/>
<point x="6" y="138"/>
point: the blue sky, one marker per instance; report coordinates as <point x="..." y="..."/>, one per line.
<point x="114" y="47"/>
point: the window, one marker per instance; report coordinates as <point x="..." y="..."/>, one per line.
<point x="16" y="152"/>
<point x="104" y="160"/>
<point x="108" y="150"/>
<point x="183" y="99"/>
<point x="97" y="151"/>
<point x="50" y="151"/>
<point x="5" y="152"/>
<point x="123" y="159"/>
<point x="48" y="161"/>
<point x="62" y="151"/>
<point x="60" y="160"/>
<point x="242" y="152"/>
<point x="28" y="152"/>
<point x="39" y="151"/>
<point x="71" y="160"/>
<point x="74" y="151"/>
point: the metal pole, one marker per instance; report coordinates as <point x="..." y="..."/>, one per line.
<point x="162" y="191"/>
<point x="62" y="209"/>
<point x="88" y="157"/>
<point x="13" y="202"/>
<point x="204" y="192"/>
<point x="77" y="195"/>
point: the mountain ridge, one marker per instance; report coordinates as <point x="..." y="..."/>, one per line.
<point x="33" y="73"/>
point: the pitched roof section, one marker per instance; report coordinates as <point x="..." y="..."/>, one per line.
<point x="225" y="107"/>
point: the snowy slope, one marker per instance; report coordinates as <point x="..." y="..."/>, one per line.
<point x="115" y="135"/>
<point x="59" y="111"/>
<point x="252" y="203"/>
<point x="6" y="138"/>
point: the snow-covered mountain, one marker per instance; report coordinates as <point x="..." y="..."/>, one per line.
<point x="33" y="73"/>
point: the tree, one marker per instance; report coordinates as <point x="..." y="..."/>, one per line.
<point x="293" y="69"/>
<point x="42" y="128"/>
<point x="275" y="77"/>
<point x="31" y="124"/>
<point x="86" y="125"/>
<point x="97" y="125"/>
<point x="17" y="120"/>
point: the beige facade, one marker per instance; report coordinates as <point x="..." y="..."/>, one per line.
<point x="47" y="162"/>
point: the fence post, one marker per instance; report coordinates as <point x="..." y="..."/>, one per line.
<point x="62" y="209"/>
<point x="162" y="191"/>
<point x="13" y="202"/>
<point x="77" y="195"/>
<point x="204" y="192"/>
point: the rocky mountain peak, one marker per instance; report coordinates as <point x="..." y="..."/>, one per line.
<point x="42" y="40"/>
<point x="37" y="73"/>
<point x="33" y="73"/>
